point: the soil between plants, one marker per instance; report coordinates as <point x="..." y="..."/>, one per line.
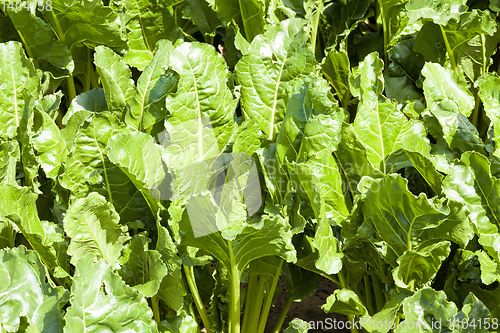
<point x="308" y="309"/>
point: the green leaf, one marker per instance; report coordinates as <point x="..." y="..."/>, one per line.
<point x="336" y="69"/>
<point x="490" y="95"/>
<point x="402" y="76"/>
<point x="170" y="291"/>
<point x="202" y="15"/>
<point x="378" y="125"/>
<point x="435" y="40"/>
<point x="88" y="169"/>
<point x="19" y="206"/>
<point x="41" y="43"/>
<point x="300" y="282"/>
<point x="354" y="163"/>
<point x="142" y="268"/>
<point x="92" y="224"/>
<point x="7" y="234"/>
<point x="450" y="102"/>
<point x="405" y="222"/>
<point x="117" y="83"/>
<point x="344" y="301"/>
<point x="9" y="156"/>
<point x="17" y="74"/>
<point x="202" y="91"/>
<point x="428" y="308"/>
<point x="143" y="165"/>
<point x="475" y="55"/>
<point x="297" y="326"/>
<point x="155" y="82"/>
<point x="48" y="141"/>
<point x="312" y="123"/>
<point x="86" y="21"/>
<point x="27" y="291"/>
<point x="472" y="184"/>
<point x="439" y="11"/>
<point x="393" y="16"/>
<point x="339" y="18"/>
<point x="183" y="323"/>
<point x="148" y="21"/>
<point x="267" y="237"/>
<point x="275" y="62"/>
<point x="95" y="288"/>
<point x="319" y="182"/>
<point x="427" y="170"/>
<point x="248" y="14"/>
<point x="418" y="268"/>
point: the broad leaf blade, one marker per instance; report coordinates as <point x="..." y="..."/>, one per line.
<point x="92" y="224"/>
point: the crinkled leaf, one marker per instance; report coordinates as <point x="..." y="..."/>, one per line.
<point x="117" y="84"/>
<point x="170" y="290"/>
<point x="88" y="169"/>
<point x="344" y="301"/>
<point x="267" y="237"/>
<point x="274" y="63"/>
<point x="202" y="91"/>
<point x="405" y="222"/>
<point x="99" y="298"/>
<point x="378" y="125"/>
<point x="45" y="49"/>
<point x="148" y="21"/>
<point x="426" y="307"/>
<point x="155" y="82"/>
<point x="142" y="268"/>
<point x="46" y="238"/>
<point x="490" y="95"/>
<point x="87" y="21"/>
<point x="92" y="224"/>
<point x="439" y="11"/>
<point x="312" y="123"/>
<point x="418" y="268"/>
<point x="472" y="184"/>
<point x="248" y="14"/>
<point x="16" y="74"/>
<point x="450" y="102"/>
<point x="24" y="292"/>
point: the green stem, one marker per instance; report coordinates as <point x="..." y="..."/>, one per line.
<point x="283" y="313"/>
<point x="315" y="24"/>
<point x="269" y="300"/>
<point x="379" y="298"/>
<point x="88" y="74"/>
<point x="449" y="50"/>
<point x="343" y="284"/>
<point x="475" y="112"/>
<point x="196" y="296"/>
<point x="384" y="28"/>
<point x="71" y="88"/>
<point x="345" y="101"/>
<point x="234" y="310"/>
<point x="155" y="301"/>
<point x="252" y="285"/>
<point x="93" y="80"/>
<point x="368" y="295"/>
<point x="257" y="306"/>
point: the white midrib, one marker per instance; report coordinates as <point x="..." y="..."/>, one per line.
<point x="275" y="100"/>
<point x="380" y="134"/>
<point x="200" y="128"/>
<point x="15" y="94"/>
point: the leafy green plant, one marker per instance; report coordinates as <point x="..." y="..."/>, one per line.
<point x="165" y="163"/>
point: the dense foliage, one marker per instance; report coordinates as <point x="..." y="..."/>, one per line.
<point x="164" y="162"/>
